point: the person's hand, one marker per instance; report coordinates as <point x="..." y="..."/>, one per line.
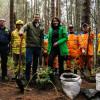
<point x="83" y="51"/>
<point x="55" y="44"/>
<point x="21" y="35"/>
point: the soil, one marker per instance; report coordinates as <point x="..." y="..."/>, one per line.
<point x="69" y="76"/>
<point x="8" y="91"/>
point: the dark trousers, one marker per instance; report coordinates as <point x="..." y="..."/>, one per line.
<point x="16" y="58"/>
<point x="54" y="52"/>
<point x="32" y="56"/>
<point x="4" y="58"/>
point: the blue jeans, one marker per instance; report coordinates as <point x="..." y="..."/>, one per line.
<point x="32" y="56"/>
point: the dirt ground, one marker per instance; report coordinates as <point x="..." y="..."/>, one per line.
<point x="8" y="91"/>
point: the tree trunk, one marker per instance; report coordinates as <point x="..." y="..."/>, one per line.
<point x="45" y="15"/>
<point x="52" y="8"/>
<point x="86" y="12"/>
<point x="58" y="9"/>
<point x="26" y="12"/>
<point x="67" y="12"/>
<point x="77" y="17"/>
<point x="11" y="15"/>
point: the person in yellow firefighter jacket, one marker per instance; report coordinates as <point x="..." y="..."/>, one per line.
<point x="86" y="48"/>
<point x="74" y="52"/>
<point x="17" y="45"/>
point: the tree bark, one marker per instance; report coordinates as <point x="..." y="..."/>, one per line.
<point x="86" y="12"/>
<point x="11" y="15"/>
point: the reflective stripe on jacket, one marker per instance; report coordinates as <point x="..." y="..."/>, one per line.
<point x="15" y="40"/>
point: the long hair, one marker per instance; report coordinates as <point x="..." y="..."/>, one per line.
<point x="52" y="25"/>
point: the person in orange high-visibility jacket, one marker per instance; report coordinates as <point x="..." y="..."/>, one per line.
<point x="86" y="48"/>
<point x="74" y="52"/>
<point x="45" y="46"/>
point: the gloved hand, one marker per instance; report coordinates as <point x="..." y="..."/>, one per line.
<point x="83" y="51"/>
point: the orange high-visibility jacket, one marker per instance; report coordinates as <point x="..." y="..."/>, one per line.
<point x="73" y="45"/>
<point x="45" y="45"/>
<point x="83" y="42"/>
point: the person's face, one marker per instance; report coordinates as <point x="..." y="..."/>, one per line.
<point x="36" y="18"/>
<point x="85" y="29"/>
<point x="71" y="29"/>
<point x="18" y="26"/>
<point x="55" y="22"/>
<point x="2" y="23"/>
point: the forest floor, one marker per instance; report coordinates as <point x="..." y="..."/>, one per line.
<point x="12" y="93"/>
<point x="9" y="91"/>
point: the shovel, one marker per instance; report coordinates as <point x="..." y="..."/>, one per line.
<point x="19" y="81"/>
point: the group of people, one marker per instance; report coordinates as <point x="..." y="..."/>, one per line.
<point x="79" y="52"/>
<point x="81" y="49"/>
<point x="28" y="40"/>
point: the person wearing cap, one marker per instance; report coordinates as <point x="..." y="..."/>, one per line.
<point x="16" y="43"/>
<point x="74" y="51"/>
<point x="34" y="40"/>
<point x="4" y="48"/>
<point x="86" y="48"/>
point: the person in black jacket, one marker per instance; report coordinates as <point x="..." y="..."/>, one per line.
<point x="4" y="48"/>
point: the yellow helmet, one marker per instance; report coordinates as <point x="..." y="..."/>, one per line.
<point x="19" y="22"/>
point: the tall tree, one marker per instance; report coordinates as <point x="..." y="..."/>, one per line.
<point x="58" y="9"/>
<point x="52" y="8"/>
<point x="86" y="12"/>
<point x="31" y="9"/>
<point x="98" y="14"/>
<point x="26" y="6"/>
<point x="45" y="15"/>
<point x="67" y="11"/>
<point x="11" y="15"/>
<point x="77" y="15"/>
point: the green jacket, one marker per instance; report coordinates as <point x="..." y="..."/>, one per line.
<point x="34" y="35"/>
<point x="61" y="42"/>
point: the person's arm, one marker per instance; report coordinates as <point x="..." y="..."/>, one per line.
<point x="23" y="29"/>
<point x="9" y="37"/>
<point x="41" y="34"/>
<point x="42" y="37"/>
